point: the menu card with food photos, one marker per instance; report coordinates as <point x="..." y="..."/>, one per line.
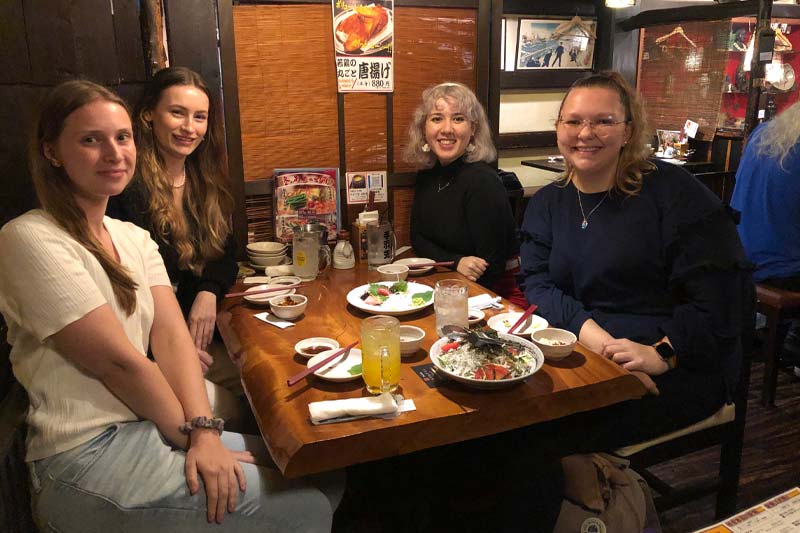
<point x="360" y="184"/>
<point x="779" y="514"/>
<point x="363" y="41"/>
<point x="306" y="195"/>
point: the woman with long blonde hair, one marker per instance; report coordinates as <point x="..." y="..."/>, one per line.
<point x="181" y="195"/>
<point x="117" y="442"/>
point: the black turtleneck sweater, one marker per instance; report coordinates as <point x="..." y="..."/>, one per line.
<point x="462" y="209"/>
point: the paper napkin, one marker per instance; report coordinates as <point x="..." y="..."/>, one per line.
<point x="269" y="318"/>
<point x="385" y="405"/>
<point x="484" y="301"/>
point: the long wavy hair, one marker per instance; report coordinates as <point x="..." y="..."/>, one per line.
<point x="633" y="160"/>
<point x="463" y="100"/>
<point x="198" y="235"/>
<point x="55" y="190"/>
<point x="781" y="135"/>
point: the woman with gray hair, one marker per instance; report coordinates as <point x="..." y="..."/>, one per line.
<point x="461" y="211"/>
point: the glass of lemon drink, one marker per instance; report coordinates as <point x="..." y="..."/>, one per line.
<point x="380" y="353"/>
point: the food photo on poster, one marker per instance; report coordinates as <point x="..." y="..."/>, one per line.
<point x="303" y="196"/>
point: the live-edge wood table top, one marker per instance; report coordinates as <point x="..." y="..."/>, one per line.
<point x="449" y="413"/>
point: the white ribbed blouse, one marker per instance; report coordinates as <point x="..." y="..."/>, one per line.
<point x="47" y="281"/>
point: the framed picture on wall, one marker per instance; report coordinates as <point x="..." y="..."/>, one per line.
<point x="556" y="44"/>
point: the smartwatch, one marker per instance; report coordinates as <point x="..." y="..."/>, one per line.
<point x="666" y="353"/>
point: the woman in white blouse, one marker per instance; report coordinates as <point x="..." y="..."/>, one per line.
<point x="84" y="296"/>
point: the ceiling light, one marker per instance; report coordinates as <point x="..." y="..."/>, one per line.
<point x="620" y="3"/>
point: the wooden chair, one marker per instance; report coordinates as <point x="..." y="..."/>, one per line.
<point x="776" y="304"/>
<point x="720" y="183"/>
<point x="724" y="428"/>
<point x="15" y="502"/>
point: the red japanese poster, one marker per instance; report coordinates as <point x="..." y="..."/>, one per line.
<point x="363" y="40"/>
<point x="305" y="195"/>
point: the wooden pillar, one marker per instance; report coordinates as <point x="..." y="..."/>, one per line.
<point x="755" y="86"/>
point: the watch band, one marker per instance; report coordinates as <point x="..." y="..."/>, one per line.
<point x="202" y="422"/>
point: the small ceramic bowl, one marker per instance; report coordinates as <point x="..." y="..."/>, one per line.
<point x="393" y="272"/>
<point x="266" y="260"/>
<point x="312" y="346"/>
<point x="280" y="308"/>
<point x="474" y="316"/>
<point x="266" y="247"/>
<point x="410" y="339"/>
<point x="555" y="343"/>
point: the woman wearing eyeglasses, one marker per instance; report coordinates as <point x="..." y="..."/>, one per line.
<point x="639" y="260"/>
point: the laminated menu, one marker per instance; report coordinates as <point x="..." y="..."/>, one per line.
<point x="780" y="514"/>
<point x="306" y="195"/>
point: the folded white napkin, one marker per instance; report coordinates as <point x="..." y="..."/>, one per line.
<point x="484" y="301"/>
<point x="269" y="318"/>
<point x="249" y="280"/>
<point x="358" y="407"/>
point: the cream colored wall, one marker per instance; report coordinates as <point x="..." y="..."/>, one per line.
<point x="522" y="111"/>
<point x="528" y="176"/>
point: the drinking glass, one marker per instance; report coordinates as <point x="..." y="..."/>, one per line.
<point x="450" y="303"/>
<point x="381" y="243"/>
<point x="380" y="353"/>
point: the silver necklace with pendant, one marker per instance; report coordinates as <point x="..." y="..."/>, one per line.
<point x="442" y="187"/>
<point x="585" y="221"/>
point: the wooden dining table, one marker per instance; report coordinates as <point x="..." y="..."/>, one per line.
<point x="447" y="413"/>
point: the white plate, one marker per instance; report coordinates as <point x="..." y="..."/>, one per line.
<point x="477" y="313"/>
<point x="263" y="299"/>
<point x="370" y="47"/>
<point x="332" y="344"/>
<point x="502" y="322"/>
<point x="436" y="350"/>
<point x="337" y="370"/>
<point x="409" y="262"/>
<point x="396" y="305"/>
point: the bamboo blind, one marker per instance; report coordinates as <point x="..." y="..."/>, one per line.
<point x="433" y="45"/>
<point x="287" y="87"/>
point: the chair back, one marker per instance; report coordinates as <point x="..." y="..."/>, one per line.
<point x="720" y="183"/>
<point x="516" y="198"/>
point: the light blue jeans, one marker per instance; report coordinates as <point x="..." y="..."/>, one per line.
<point x="128" y="479"/>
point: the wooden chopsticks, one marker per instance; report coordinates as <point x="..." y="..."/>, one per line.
<point x="310" y="370"/>
<point x="528" y="312"/>
<point x="264" y="291"/>
<point x="413" y="266"/>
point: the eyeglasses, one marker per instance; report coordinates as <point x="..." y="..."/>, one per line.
<point x="601" y="126"/>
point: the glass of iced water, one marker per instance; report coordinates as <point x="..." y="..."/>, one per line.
<point x="450" y="303"/>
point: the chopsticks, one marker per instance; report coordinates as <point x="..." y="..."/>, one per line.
<point x="297" y="377"/>
<point x="413" y="266"/>
<point x="528" y="312"/>
<point x="264" y="291"/>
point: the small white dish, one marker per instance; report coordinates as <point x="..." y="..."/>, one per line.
<point x="410" y="339"/>
<point x="555" y="343"/>
<point x="410" y="261"/>
<point x="503" y="321"/>
<point x="285" y="280"/>
<point x="339" y="369"/>
<point x="263" y="299"/>
<point x="266" y="260"/>
<point x="474" y="316"/>
<point x="393" y="272"/>
<point x="313" y="343"/>
<point x="282" y="309"/>
<point x="266" y="247"/>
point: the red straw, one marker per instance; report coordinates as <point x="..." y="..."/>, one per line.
<point x="264" y="291"/>
<point x="297" y="377"/>
<point x="528" y="312"/>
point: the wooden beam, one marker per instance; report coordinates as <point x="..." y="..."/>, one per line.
<point x="233" y="128"/>
<point x="155" y="52"/>
<point x="531" y="139"/>
<point x="676" y="15"/>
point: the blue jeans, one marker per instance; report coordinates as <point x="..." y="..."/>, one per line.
<point x="129" y="479"/>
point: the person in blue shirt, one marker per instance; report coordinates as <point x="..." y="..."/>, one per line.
<point x="767" y="194"/>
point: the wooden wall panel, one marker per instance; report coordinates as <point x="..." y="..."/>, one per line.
<point x="287" y="87"/>
<point x="50" y="40"/>
<point x="365" y="131"/>
<point x="128" y="36"/>
<point x="14" y="64"/>
<point x="436" y="45"/>
<point x="93" y="25"/>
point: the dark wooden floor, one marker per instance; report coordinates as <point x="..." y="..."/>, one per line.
<point x="770" y="460"/>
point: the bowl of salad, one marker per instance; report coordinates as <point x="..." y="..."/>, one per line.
<point x="487" y="366"/>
